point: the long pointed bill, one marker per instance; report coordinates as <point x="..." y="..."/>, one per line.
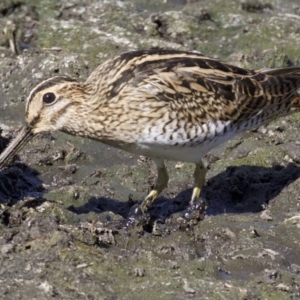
<point x="15" y="146"/>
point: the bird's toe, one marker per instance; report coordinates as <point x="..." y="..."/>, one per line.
<point x="195" y="210"/>
<point x="137" y="217"/>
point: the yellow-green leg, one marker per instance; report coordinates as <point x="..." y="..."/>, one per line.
<point x="161" y="183"/>
<point x="197" y="204"/>
<point x="199" y="181"/>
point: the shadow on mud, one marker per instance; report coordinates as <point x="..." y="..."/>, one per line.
<point x="240" y="189"/>
<point x="19" y="182"/>
<point x="247" y="188"/>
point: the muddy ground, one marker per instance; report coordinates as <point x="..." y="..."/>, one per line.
<point x="64" y="200"/>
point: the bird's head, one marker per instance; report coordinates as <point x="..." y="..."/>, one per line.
<point x="49" y="107"/>
<point x="50" y="104"/>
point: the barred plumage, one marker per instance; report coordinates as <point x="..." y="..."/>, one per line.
<point x="163" y="104"/>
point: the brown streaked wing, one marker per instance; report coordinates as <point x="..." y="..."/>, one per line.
<point x="204" y="89"/>
<point x="209" y="90"/>
<point x="200" y="88"/>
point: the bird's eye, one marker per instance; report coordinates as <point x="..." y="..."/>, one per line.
<point x="49" y="98"/>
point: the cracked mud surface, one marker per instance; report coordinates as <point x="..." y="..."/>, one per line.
<point x="64" y="200"/>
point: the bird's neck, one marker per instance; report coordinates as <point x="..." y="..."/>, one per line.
<point x="87" y="120"/>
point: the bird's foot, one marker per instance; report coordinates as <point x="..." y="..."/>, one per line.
<point x="137" y="217"/>
<point x="195" y="210"/>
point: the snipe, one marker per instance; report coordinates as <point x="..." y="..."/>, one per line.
<point x="162" y="104"/>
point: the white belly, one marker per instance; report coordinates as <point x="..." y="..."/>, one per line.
<point x="179" y="153"/>
<point x="181" y="147"/>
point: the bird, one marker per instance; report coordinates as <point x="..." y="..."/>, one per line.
<point x="163" y="104"/>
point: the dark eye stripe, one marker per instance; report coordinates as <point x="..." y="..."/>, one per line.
<point x="47" y="84"/>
